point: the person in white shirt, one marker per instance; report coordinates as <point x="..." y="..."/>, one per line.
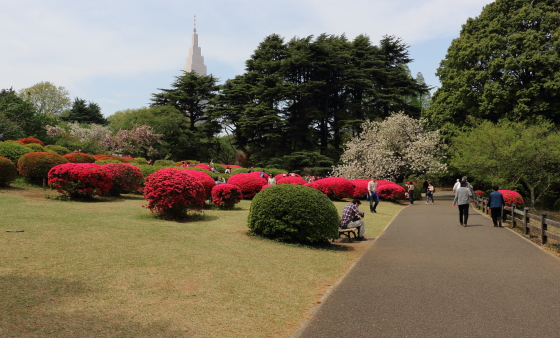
<point x="457" y="185"/>
<point x="373" y="197"/>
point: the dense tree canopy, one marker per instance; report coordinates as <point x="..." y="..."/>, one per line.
<point x="512" y="154"/>
<point x="309" y="94"/>
<point x="83" y="112"/>
<point x="47" y="98"/>
<point x="18" y="117"/>
<point x="504" y="64"/>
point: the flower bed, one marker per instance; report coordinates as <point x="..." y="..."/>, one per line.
<point x="36" y="165"/>
<point x="28" y="140"/>
<point x="79" y="158"/>
<point x="391" y="192"/>
<point x="207" y="182"/>
<point x="480" y="193"/>
<point x="335" y="188"/>
<point x="80" y="179"/>
<point x="249" y="184"/>
<point x="172" y="192"/>
<point x="512" y="197"/>
<point x="126" y="178"/>
<point x="291" y="180"/>
<point x="225" y="196"/>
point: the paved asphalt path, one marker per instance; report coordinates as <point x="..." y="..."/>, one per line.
<point x="427" y="276"/>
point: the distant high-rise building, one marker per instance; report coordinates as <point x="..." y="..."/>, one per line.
<point x="195" y="61"/>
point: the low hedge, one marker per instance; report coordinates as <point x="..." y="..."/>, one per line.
<point x="13" y="150"/>
<point x="293" y="213"/>
<point x="79" y="158"/>
<point x="36" y="166"/>
<point x="60" y="150"/>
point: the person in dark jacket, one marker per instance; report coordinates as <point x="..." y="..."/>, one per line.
<point x="496" y="203"/>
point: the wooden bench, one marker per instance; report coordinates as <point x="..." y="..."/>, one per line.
<point x="347" y="233"/>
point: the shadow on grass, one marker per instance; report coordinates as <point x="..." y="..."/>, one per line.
<point x="39" y="306"/>
<point x="326" y="245"/>
<point x="190" y="218"/>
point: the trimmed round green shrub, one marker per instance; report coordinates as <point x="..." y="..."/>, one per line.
<point x="36" y="147"/>
<point x="140" y="160"/>
<point x="293" y="213"/>
<point x="146" y="169"/>
<point x="13" y="150"/>
<point x="8" y="171"/>
<point x="239" y="171"/>
<point x="164" y="163"/>
<point x="60" y="150"/>
<point x="37" y="165"/>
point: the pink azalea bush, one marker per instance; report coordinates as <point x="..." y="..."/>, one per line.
<point x="207" y="182"/>
<point x="335" y="188"/>
<point x="172" y="192"/>
<point x="226" y="196"/>
<point x="291" y="180"/>
<point x="248" y="183"/>
<point x="512" y="197"/>
<point x="80" y="180"/>
<point x="126" y="178"/>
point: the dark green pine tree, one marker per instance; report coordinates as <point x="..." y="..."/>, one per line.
<point x="504" y="65"/>
<point x="82" y="112"/>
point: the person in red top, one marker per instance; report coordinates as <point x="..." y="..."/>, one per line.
<point x="351" y="218"/>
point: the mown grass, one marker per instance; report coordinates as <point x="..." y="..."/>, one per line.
<point x="111" y="269"/>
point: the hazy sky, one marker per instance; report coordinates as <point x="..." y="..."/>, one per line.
<point x="117" y="53"/>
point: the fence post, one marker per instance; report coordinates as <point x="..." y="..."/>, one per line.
<point x="544" y="228"/>
<point x="525" y="220"/>
<point x="513" y="219"/>
<point x="44" y="184"/>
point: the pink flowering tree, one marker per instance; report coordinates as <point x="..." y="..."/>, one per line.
<point x="139" y="141"/>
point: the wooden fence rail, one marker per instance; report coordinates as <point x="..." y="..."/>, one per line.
<point x="523" y="217"/>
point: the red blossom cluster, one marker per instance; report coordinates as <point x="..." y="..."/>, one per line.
<point x="203" y="166"/>
<point x="79" y="158"/>
<point x="291" y="180"/>
<point x="226" y="195"/>
<point x="336" y="188"/>
<point x="279" y="176"/>
<point x="512" y="197"/>
<point x="36" y="165"/>
<point x="386" y="190"/>
<point x="259" y="173"/>
<point x="126" y="178"/>
<point x="80" y="179"/>
<point x="104" y="157"/>
<point x="172" y="192"/>
<point x="28" y="140"/>
<point x="232" y="166"/>
<point x="479" y="193"/>
<point x="206" y="180"/>
<point x="249" y="184"/>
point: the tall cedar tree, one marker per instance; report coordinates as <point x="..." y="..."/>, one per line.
<point x="84" y="113"/>
<point x="191" y="95"/>
<point x="312" y="94"/>
<point x="504" y="65"/>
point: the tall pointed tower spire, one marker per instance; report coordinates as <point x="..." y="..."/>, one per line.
<point x="195" y="61"/>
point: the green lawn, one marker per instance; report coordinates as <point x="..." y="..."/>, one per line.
<point x="110" y="269"/>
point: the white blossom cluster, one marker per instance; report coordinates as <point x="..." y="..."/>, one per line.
<point x="394" y="148"/>
<point x="139" y="140"/>
<point x="95" y="132"/>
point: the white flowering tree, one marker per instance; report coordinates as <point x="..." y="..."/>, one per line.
<point x="395" y="148"/>
<point x="93" y="132"/>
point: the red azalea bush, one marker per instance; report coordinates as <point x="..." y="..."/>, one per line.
<point x="248" y="183"/>
<point x="79" y="158"/>
<point x="291" y="180"/>
<point x="360" y="188"/>
<point x="172" y="192"/>
<point x="480" y="193"/>
<point x="390" y="192"/>
<point x="258" y="173"/>
<point x="8" y="171"/>
<point x="206" y="180"/>
<point x="105" y="157"/>
<point x="126" y="178"/>
<point x="36" y="165"/>
<point x="266" y="186"/>
<point x="512" y="197"/>
<point x="28" y="140"/>
<point x="226" y="196"/>
<point x="203" y="166"/>
<point x="79" y="180"/>
<point x="279" y="176"/>
<point x="232" y="166"/>
<point x="335" y="188"/>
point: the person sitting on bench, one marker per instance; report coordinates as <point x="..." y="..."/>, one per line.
<point x="352" y="218"/>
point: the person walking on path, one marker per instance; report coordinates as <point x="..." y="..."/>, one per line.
<point x="351" y="218"/>
<point x="430" y="192"/>
<point x="410" y="191"/>
<point x="456" y="185"/>
<point x="373" y="197"/>
<point x="469" y="186"/>
<point x="496" y="203"/>
<point x="462" y="201"/>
